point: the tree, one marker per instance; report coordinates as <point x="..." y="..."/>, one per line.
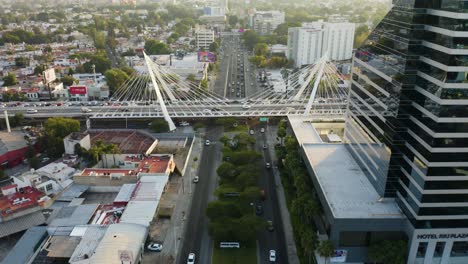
<point x="309" y="241"/>
<point x="101" y="148"/>
<point x="61" y="127"/>
<point x="39" y="69"/>
<point x="222" y="209"/>
<point x="17" y="120"/>
<point x="34" y="162"/>
<point x="227" y="171"/>
<point x="281" y="133"/>
<point x="250" y="39"/>
<point x="22" y="62"/>
<point x="115" y="78"/>
<point x="154" y="47"/>
<point x="9" y="80"/>
<point x="99" y="60"/>
<point x="386" y="251"/>
<point x="258" y="61"/>
<point x="159" y="126"/>
<point x="191" y="78"/>
<point x="233" y="19"/>
<point x="261" y="49"/>
<point x="277" y="62"/>
<point x="204" y="84"/>
<point x="68" y="80"/>
<point x="3" y="174"/>
<point x="326" y="249"/>
<point x="214" y="46"/>
<point x="243" y="140"/>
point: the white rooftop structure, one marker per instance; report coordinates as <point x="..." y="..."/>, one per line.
<point x="348" y="192"/>
<point x="122" y="243"/>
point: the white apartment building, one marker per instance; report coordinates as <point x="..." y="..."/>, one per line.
<point x="265" y="22"/>
<point x="310" y="42"/>
<point x="204" y="38"/>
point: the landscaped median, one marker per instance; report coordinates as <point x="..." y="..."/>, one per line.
<point x="243" y="255"/>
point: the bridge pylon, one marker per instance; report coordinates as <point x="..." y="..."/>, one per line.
<point x="151" y="70"/>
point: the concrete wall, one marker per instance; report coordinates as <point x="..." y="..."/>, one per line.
<point x="103" y="180"/>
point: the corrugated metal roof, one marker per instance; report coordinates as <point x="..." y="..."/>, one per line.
<point x="21" y="223"/>
<point x="25" y="247"/>
<point x="74" y="215"/>
<point x="125" y="193"/>
<point x="122" y="243"/>
<point x="150" y="188"/>
<point x="91" y="235"/>
<point x="139" y="212"/>
<point x="74" y="191"/>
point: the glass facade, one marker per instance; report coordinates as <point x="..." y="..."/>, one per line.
<point x="407" y="122"/>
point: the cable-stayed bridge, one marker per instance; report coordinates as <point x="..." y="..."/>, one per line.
<point x="316" y="90"/>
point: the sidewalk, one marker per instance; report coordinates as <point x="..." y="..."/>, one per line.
<point x="173" y="237"/>
<point x="288" y="230"/>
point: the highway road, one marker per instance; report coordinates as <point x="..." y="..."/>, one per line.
<point x="268" y="240"/>
<point x="196" y="238"/>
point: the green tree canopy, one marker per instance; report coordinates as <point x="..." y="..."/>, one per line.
<point x="155" y="47"/>
<point x="261" y="49"/>
<point x="9" y="80"/>
<point x="22" y="62"/>
<point x="258" y="61"/>
<point x="250" y="39"/>
<point x="222" y="209"/>
<point x="214" y="46"/>
<point x="115" y="78"/>
<point x="159" y="126"/>
<point x="68" y="80"/>
<point x="61" y="127"/>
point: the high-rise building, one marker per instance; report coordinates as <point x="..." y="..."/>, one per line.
<point x="204" y="38"/>
<point x="265" y="22"/>
<point x="307" y="44"/>
<point x="407" y="123"/>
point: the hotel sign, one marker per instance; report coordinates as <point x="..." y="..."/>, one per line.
<point x="442" y="236"/>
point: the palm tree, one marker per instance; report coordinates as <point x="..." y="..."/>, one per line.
<point x="326" y="249"/>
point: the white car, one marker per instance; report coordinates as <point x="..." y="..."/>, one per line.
<point x="272" y="255"/>
<point x="262" y="130"/>
<point x="31" y="111"/>
<point x="206" y="111"/>
<point x="85" y="110"/>
<point x="155" y="247"/>
<point x="246" y="107"/>
<point x="207" y="142"/>
<point x="252" y="132"/>
<point x="191" y="258"/>
<point x="195" y="179"/>
<point x="183" y="123"/>
<point x="267" y="165"/>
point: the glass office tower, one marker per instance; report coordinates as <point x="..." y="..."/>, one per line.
<point x="407" y="122"/>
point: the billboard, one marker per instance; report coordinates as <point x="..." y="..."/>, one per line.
<point x="49" y="75"/>
<point x="206" y="56"/>
<point x="78" y="90"/>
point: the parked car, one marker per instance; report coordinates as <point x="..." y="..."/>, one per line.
<point x="191" y="258"/>
<point x="155" y="247"/>
<point x="45" y="159"/>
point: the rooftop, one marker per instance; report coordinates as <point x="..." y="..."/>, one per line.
<point x="304" y="130"/>
<point x="128" y="141"/>
<point x="12" y="141"/>
<point x="26" y="246"/>
<point x="120" y="244"/>
<point x="347" y="190"/>
<point x="106" y="172"/>
<point x="26" y="197"/>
